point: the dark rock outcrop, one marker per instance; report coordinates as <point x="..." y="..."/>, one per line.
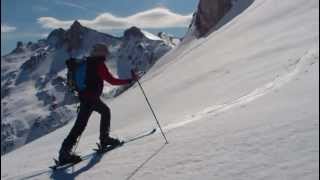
<point x="19" y="48"/>
<point x="73" y="37"/>
<point x="209" y="13"/>
<point x="133" y="32"/>
<point x="56" y="37"/>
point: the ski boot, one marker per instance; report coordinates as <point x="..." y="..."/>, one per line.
<point x="66" y="158"/>
<point x="109" y="143"/>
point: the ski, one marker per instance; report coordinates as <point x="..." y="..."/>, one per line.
<point x="139" y="136"/>
<point x="99" y="149"/>
<point x="58" y="165"/>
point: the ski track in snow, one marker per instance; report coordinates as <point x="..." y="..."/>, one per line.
<point x="255" y="94"/>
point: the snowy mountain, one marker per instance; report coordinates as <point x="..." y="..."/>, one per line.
<point x="241" y="103"/>
<point x="34" y="97"/>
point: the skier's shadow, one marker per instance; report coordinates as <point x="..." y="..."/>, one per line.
<point x="64" y="174"/>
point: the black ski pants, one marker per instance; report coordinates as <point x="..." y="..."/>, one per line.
<point x="86" y="109"/>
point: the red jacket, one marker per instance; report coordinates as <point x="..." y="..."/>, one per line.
<point x="97" y="72"/>
<point x="104" y="74"/>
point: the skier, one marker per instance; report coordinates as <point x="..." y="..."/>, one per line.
<point x="90" y="101"/>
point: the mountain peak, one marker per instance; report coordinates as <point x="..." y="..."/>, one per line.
<point x="73" y="36"/>
<point x="76" y="25"/>
<point x="56" y="37"/>
<point x="19" y="48"/>
<point x="133" y="32"/>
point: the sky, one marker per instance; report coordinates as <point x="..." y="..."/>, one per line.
<point x="31" y="20"/>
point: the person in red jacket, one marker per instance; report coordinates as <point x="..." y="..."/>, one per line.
<point x="90" y="101"/>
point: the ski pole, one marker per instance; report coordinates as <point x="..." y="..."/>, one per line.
<point x="154" y="115"/>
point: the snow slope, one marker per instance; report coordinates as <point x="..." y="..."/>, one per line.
<point x="241" y="103"/>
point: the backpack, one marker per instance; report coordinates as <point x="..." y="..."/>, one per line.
<point x="76" y="74"/>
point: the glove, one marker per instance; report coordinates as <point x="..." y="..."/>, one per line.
<point x="134" y="75"/>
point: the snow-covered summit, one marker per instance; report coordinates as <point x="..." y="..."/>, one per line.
<point x="78" y="39"/>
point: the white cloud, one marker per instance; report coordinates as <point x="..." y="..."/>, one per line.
<point x="52" y="23"/>
<point x="154" y="18"/>
<point x="5" y="28"/>
<point x="73" y="5"/>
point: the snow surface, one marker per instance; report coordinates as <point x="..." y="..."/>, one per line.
<point x="151" y="36"/>
<point x="241" y="103"/>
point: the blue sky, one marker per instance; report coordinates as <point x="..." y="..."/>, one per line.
<point x="30" y="20"/>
